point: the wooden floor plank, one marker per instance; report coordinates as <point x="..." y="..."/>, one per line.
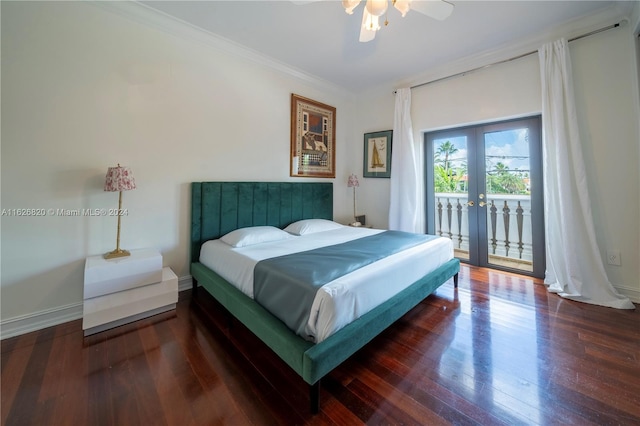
<point x="14" y="363"/>
<point x="499" y="350"/>
<point x="22" y="408"/>
<point x="72" y="398"/>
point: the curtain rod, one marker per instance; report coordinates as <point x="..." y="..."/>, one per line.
<point x="616" y="25"/>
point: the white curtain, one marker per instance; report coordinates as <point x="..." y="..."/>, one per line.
<point x="575" y="269"/>
<point x="406" y="207"/>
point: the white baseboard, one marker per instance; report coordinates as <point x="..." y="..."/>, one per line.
<point x="37" y="321"/>
<point x="184" y="283"/>
<point x="49" y="317"/>
<point x="631" y="293"/>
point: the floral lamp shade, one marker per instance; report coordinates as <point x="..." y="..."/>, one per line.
<point x="353" y="181"/>
<point x="119" y="178"/>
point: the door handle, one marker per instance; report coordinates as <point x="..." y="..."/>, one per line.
<point x="482" y="204"/>
<point x="471" y="203"/>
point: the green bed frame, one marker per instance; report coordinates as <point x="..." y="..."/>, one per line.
<point x="220" y="207"/>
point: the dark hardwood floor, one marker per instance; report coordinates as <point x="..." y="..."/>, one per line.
<point x="499" y="350"/>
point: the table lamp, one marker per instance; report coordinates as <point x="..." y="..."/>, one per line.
<point x="118" y="179"/>
<point x="353" y="183"/>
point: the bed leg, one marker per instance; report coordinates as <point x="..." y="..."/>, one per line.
<point x="455" y="281"/>
<point x="314" y="397"/>
<point x="194" y="287"/>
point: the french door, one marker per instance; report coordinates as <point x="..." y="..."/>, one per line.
<point x="484" y="192"/>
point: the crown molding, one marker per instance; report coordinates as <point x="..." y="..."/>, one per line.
<point x="152" y="18"/>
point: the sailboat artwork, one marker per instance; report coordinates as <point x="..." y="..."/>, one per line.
<point x="376" y="161"/>
<point x="377" y="151"/>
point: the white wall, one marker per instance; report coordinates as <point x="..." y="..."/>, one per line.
<point x="604" y="70"/>
<point x="85" y="88"/>
<point x="375" y="113"/>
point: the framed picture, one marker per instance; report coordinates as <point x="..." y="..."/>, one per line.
<point x="313" y="134"/>
<point x="377" y="154"/>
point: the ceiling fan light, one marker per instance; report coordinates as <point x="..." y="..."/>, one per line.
<point x="366" y="35"/>
<point x="349" y="5"/>
<point x="402" y="6"/>
<point x="371" y="22"/>
<point x="376" y="7"/>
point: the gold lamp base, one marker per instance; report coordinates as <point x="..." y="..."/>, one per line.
<point x="117" y="253"/>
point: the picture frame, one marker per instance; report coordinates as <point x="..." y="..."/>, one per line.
<point x="377" y="154"/>
<point x="313" y="134"/>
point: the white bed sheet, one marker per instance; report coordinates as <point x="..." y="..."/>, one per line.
<point x="345" y="299"/>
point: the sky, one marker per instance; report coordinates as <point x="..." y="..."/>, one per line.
<point x="504" y="146"/>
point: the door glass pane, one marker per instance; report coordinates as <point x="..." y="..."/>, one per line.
<point x="508" y="199"/>
<point x="451" y="187"/>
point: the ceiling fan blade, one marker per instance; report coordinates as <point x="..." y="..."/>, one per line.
<point x="436" y="9"/>
<point x="367" y="33"/>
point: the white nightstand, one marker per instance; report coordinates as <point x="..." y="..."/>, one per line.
<point x="121" y="290"/>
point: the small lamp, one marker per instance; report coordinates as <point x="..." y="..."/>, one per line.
<point x="118" y="179"/>
<point x="353" y="183"/>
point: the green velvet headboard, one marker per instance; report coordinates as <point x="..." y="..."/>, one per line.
<point x="221" y="207"/>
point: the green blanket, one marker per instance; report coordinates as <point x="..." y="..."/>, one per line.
<point x="286" y="285"/>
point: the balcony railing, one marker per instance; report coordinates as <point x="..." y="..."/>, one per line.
<point x="508" y="226"/>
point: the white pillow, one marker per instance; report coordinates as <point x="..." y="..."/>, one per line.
<point x="310" y="226"/>
<point x="243" y="237"/>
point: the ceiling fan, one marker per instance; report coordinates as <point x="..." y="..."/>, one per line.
<point x="374" y="9"/>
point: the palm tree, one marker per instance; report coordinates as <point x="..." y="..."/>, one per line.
<point x="502" y="181"/>
<point x="446" y="149"/>
<point x="501" y="169"/>
<point x="512" y="183"/>
<point x="447" y="178"/>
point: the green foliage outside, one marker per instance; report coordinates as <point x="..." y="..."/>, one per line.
<point x="447" y="177"/>
<point x="450" y="174"/>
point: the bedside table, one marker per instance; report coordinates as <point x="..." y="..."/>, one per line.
<point x="125" y="289"/>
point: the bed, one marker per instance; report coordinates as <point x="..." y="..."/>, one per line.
<point x="219" y="208"/>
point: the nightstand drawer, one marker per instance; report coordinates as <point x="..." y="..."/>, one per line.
<point x="102" y="276"/>
<point x="115" y="309"/>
